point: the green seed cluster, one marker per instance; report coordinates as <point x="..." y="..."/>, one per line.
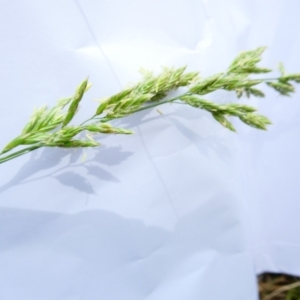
<point x="151" y="88"/>
<point x="244" y="112"/>
<point x="48" y="127"/>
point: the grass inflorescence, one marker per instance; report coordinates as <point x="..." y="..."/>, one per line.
<point x="50" y="127"/>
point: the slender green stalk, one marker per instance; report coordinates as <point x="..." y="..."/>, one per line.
<point x="18" y="153"/>
<point x="50" y="127"/>
<point x="89" y="119"/>
<point x="160" y="103"/>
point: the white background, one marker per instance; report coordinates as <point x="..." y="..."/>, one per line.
<point x="183" y="209"/>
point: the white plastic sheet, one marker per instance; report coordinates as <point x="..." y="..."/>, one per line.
<point x="183" y="209"/>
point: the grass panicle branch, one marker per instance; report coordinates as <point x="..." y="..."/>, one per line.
<point x="50" y="127"/>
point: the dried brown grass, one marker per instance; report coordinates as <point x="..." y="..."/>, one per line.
<point x="279" y="287"/>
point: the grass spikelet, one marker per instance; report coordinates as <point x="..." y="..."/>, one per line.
<point x="75" y="102"/>
<point x="106" y="128"/>
<point x="35" y="120"/>
<point x="223" y="121"/>
<point x="246" y="62"/>
<point x="284" y="88"/>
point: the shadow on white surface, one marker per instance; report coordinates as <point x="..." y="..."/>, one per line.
<point x="181" y="118"/>
<point x="112" y="257"/>
<point x="62" y="164"/>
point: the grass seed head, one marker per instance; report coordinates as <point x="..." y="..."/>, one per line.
<point x="48" y="127"/>
<point x="75" y="102"/>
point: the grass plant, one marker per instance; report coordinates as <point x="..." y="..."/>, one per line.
<point x="50" y="127"/>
